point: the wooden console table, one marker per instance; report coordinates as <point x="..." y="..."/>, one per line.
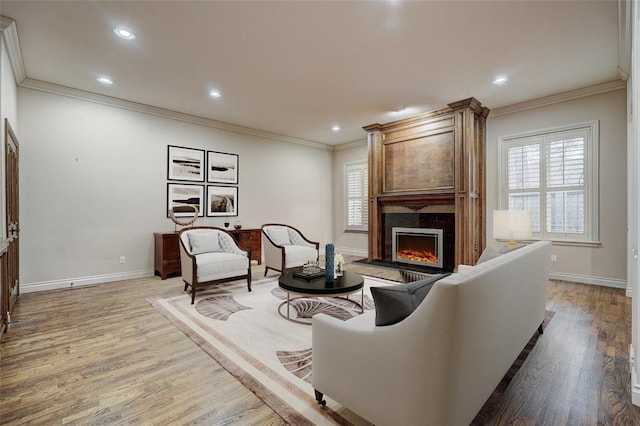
<point x="167" y="249"/>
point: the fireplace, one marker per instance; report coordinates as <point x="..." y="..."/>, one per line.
<point x="417" y="246"/>
<point x="434" y="232"/>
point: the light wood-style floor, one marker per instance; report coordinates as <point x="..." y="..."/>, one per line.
<point x="103" y="355"/>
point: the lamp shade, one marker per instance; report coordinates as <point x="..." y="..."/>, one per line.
<point x="512" y="224"/>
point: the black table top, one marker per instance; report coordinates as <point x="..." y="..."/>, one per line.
<point x="347" y="283"/>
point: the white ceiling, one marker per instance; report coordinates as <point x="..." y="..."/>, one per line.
<point x="296" y="68"/>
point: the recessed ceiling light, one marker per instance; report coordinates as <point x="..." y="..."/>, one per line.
<point x="397" y="110"/>
<point x="336" y="128"/>
<point x="105" y="80"/>
<point x="500" y="80"/>
<point x="215" y="93"/>
<point x="124" y="33"/>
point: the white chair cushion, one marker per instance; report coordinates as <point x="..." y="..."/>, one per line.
<point x="279" y="235"/>
<point x="204" y="242"/>
<point x="299" y="255"/>
<point x="215" y="266"/>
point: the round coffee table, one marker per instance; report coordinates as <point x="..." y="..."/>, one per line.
<point x="344" y="285"/>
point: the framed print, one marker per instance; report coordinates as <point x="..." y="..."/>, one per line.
<point x="181" y="198"/>
<point x="222" y="167"/>
<point x="185" y="164"/>
<point x="222" y="200"/>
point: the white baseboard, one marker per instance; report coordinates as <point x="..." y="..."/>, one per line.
<point x="584" y="279"/>
<point x="352" y="251"/>
<point x="83" y="281"/>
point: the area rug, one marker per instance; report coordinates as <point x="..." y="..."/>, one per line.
<point x="271" y="356"/>
<point x="268" y="354"/>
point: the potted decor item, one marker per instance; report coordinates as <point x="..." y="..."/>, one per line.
<point x="339" y="264"/>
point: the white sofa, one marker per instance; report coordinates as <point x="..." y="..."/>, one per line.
<point x="440" y="364"/>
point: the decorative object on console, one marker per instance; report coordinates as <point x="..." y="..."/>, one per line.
<point x="237" y="225"/>
<point x="186" y="222"/>
<point x="329" y="269"/>
<point x="222" y="201"/>
<point x="222" y="167"/>
<point x="185" y="164"/>
<point x="512" y="225"/>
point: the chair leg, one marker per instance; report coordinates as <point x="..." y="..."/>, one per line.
<point x="249" y="279"/>
<point x="193" y="294"/>
<point x="540" y="329"/>
<point x="319" y="396"/>
<point x="186" y="286"/>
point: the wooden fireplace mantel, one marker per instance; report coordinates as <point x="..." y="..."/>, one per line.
<point x="432" y="160"/>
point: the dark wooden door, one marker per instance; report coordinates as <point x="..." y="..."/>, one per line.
<point x="11" y="258"/>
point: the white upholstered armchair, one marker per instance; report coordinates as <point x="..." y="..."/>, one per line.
<point x="285" y="248"/>
<point x="210" y="255"/>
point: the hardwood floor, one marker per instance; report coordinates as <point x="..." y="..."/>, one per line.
<point x="103" y="355"/>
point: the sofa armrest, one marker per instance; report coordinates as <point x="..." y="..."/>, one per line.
<point x="392" y="374"/>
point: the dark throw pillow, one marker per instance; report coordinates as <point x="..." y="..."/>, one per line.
<point x="395" y="303"/>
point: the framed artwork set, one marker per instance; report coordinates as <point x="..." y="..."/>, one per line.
<point x="196" y="169"/>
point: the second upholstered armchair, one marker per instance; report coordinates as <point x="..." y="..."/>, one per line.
<point x="285" y="248"/>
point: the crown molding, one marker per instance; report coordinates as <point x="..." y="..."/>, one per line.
<point x="559" y="97"/>
<point x="57" y="89"/>
<point x="349" y="145"/>
<point x="10" y="37"/>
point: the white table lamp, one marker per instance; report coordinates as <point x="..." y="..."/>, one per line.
<point x="512" y="225"/>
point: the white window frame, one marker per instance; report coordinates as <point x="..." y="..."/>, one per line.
<point x="591" y="182"/>
<point x="349" y="166"/>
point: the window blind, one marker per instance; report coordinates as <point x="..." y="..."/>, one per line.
<point x="357" y="206"/>
<point x="550" y="173"/>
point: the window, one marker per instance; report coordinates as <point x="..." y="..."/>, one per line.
<point x="553" y="173"/>
<point x="356" y="182"/>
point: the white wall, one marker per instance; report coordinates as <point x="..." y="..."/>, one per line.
<point x="355" y="243"/>
<point x="94" y="180"/>
<point x="604" y="265"/>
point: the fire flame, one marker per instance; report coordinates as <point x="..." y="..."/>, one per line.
<point x="417" y="256"/>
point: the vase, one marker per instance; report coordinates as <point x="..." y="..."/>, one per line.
<point x="329" y="268"/>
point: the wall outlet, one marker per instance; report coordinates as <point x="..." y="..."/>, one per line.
<point x="122" y="259"/>
<point x="554" y="258"/>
